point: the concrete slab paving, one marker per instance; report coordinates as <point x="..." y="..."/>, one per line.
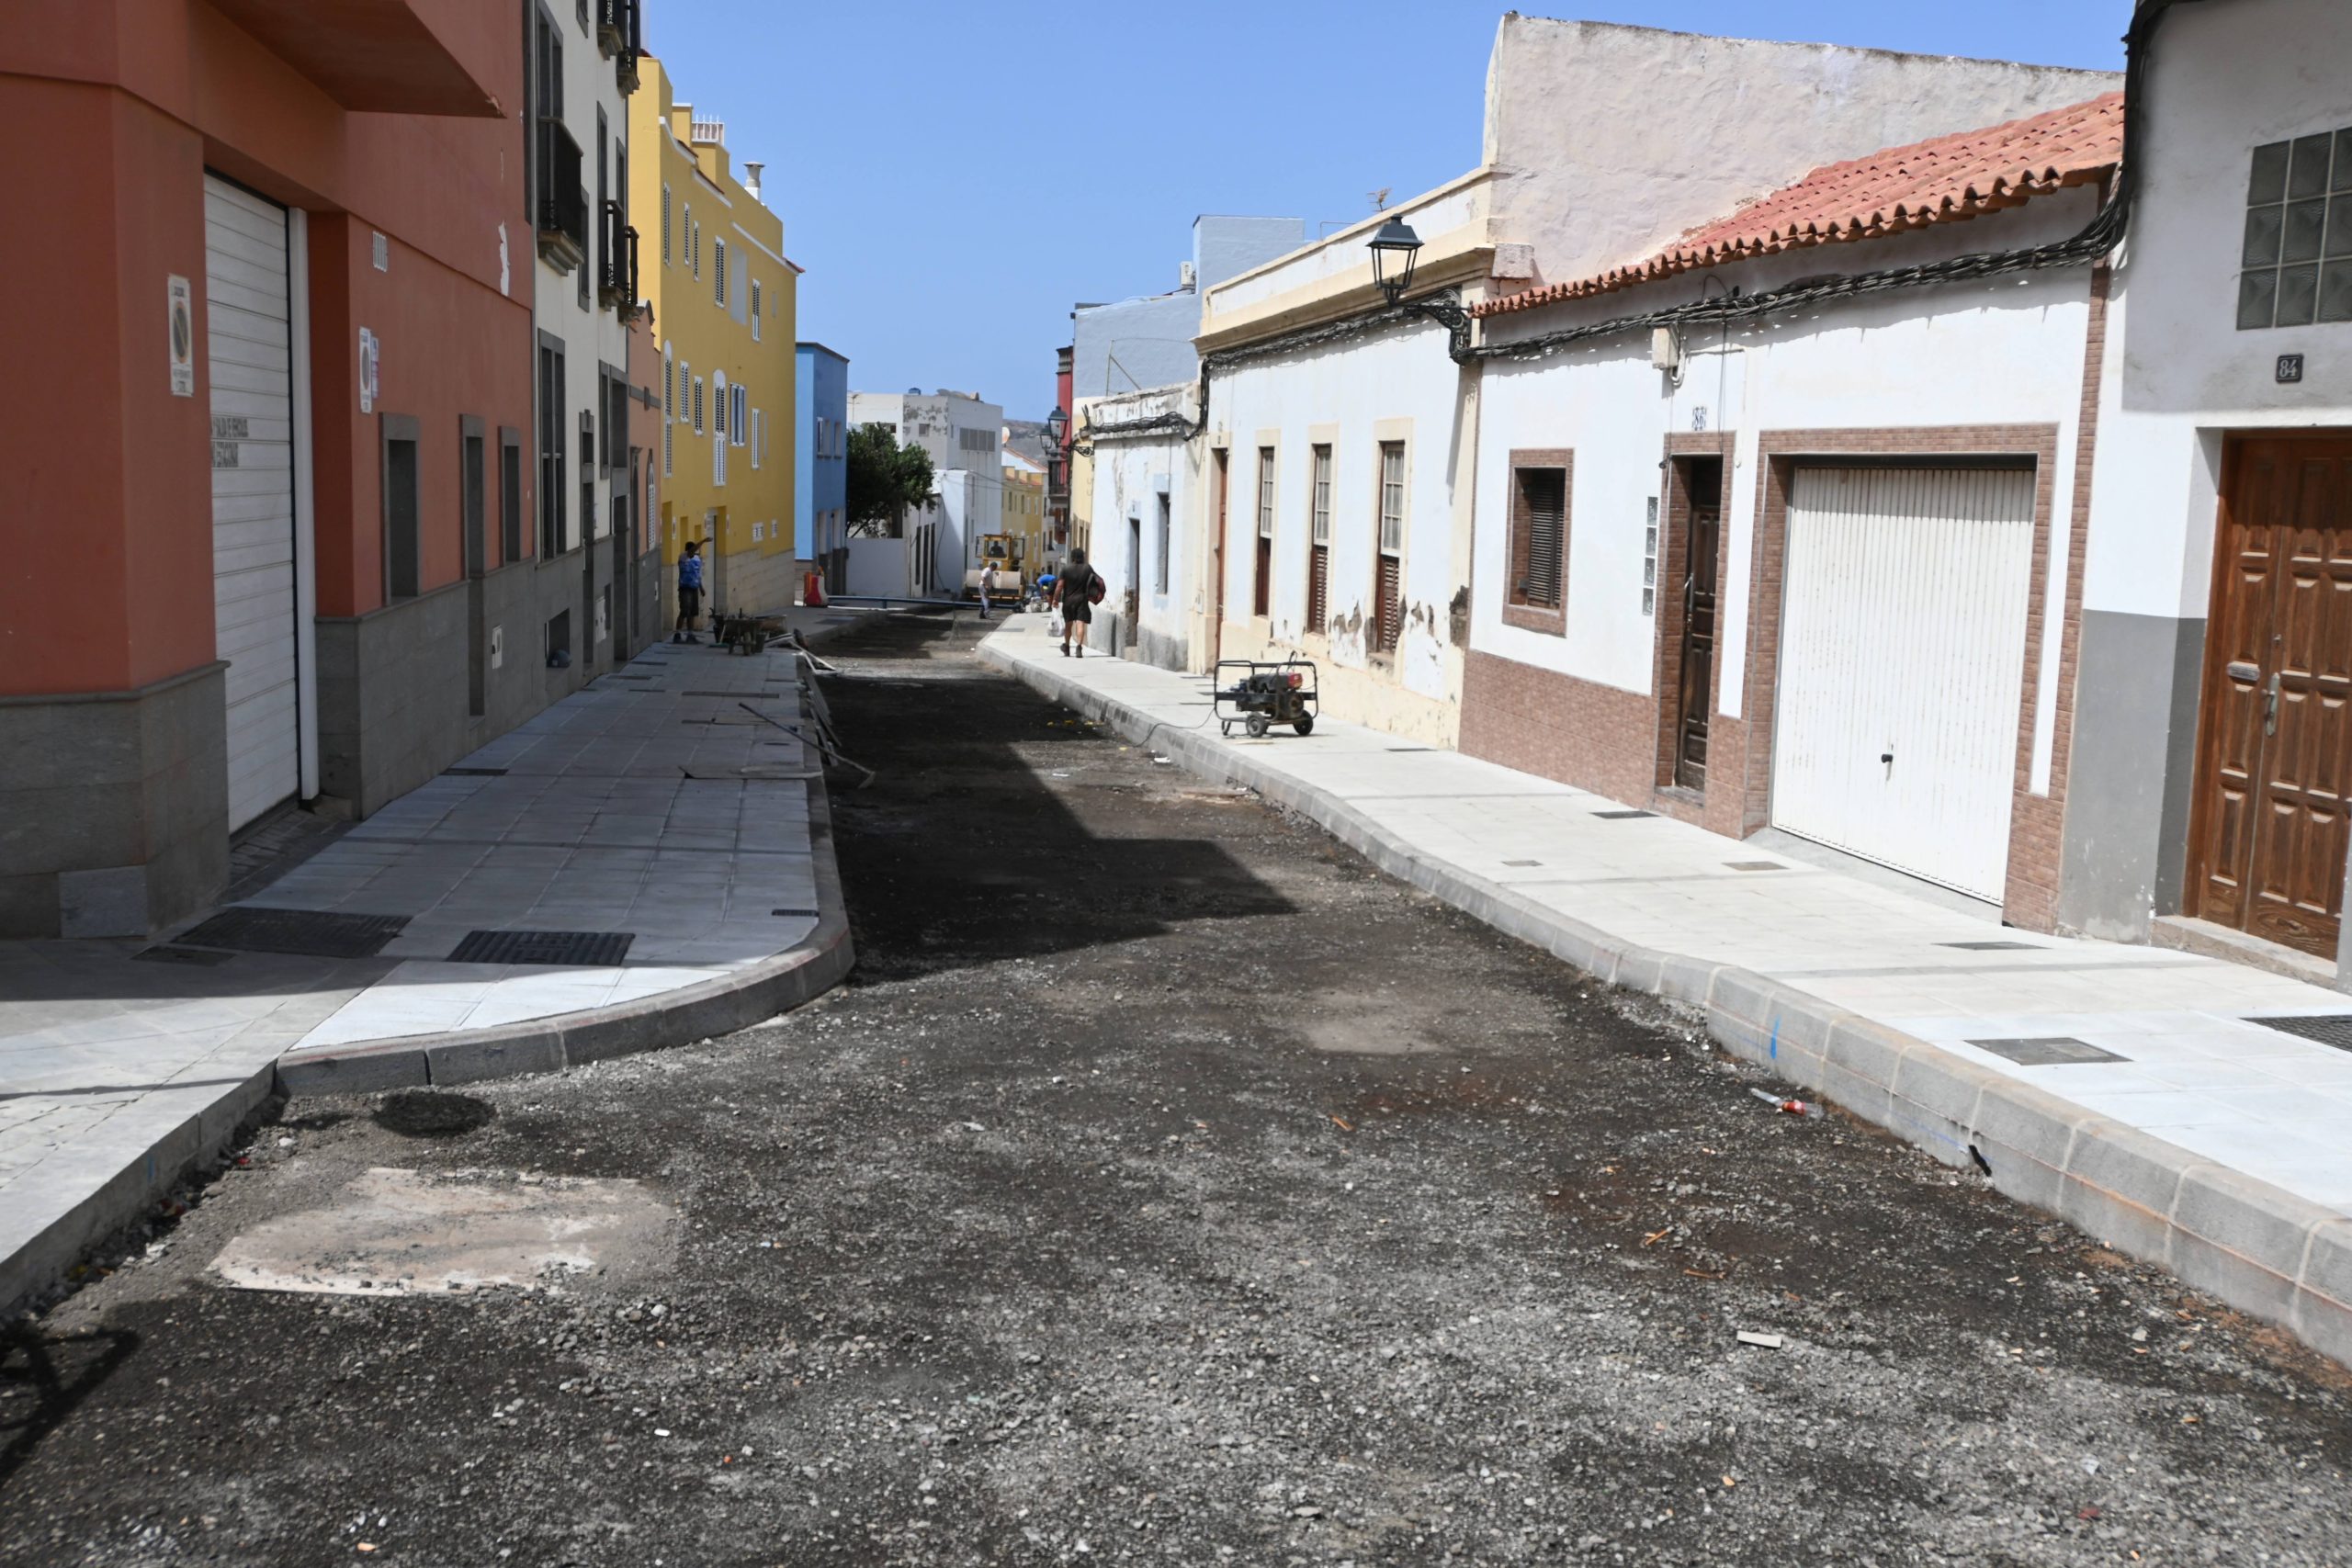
<point x="637" y="806"/>
<point x="1800" y="953"/>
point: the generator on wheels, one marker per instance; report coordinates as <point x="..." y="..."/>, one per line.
<point x="1258" y="695"/>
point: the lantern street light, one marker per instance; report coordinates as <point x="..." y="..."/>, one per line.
<point x="1057" y="426"/>
<point x="1395" y="248"/>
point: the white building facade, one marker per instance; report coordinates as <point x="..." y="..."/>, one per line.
<point x="2211" y="755"/>
<point x="965" y="438"/>
<point x="1145" y="472"/>
<point x="1813" y="568"/>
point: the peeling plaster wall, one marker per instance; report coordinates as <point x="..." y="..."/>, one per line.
<point x="1130" y="478"/>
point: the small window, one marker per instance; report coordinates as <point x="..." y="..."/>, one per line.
<point x="755" y="309"/>
<point x="1389" y="576"/>
<point x="1318" y="543"/>
<point x="403" y="564"/>
<point x="698" y="406"/>
<point x="2296" y="259"/>
<point x="1539" y="536"/>
<point x="718" y="268"/>
<point x="738" y="425"/>
<point x="665" y="225"/>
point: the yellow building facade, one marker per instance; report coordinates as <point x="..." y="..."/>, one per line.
<point x="1024" y="511"/>
<point x="725" y="303"/>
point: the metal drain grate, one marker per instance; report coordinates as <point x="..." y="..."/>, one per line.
<point x="2325" y="1029"/>
<point x="543" y="947"/>
<point x="1994" y="947"/>
<point x="1410" y="750"/>
<point x="1522" y="862"/>
<point x="739" y="696"/>
<point x="1755" y="865"/>
<point x="2047" y="1052"/>
<point x="809" y="913"/>
<point x="476" y="772"/>
<point x="312" y="933"/>
<point x="761" y="773"/>
<point x="1622" y="815"/>
<point x="170" y="954"/>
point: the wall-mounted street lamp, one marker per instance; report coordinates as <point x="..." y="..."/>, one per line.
<point x="1057" y="426"/>
<point x="1395" y="248"/>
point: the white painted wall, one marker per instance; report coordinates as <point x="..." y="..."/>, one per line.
<point x="1131" y="476"/>
<point x="879" y="567"/>
<point x="1400" y="373"/>
<point x="596" y="336"/>
<point x="2010" y="351"/>
<point x="2228" y="77"/>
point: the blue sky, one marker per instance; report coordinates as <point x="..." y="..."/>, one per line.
<point x="954" y="176"/>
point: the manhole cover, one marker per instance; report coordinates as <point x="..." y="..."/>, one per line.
<point x="2047" y="1052"/>
<point x="1622" y="815"/>
<point x="314" y="933"/>
<point x="2325" y="1029"/>
<point x="429" y="1113"/>
<point x="543" y="947"/>
<point x="1994" y="947"/>
<point x="169" y="954"/>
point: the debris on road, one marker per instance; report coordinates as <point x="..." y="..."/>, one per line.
<point x="1761" y="1341"/>
<point x="1794" y="1106"/>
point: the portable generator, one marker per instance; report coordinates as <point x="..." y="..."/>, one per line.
<point x="1257" y="696"/>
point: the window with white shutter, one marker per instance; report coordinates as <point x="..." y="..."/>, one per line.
<point x="755" y="309"/>
<point x="665" y="225"/>
<point x="718" y="268"/>
<point x="1388" y="577"/>
<point x="697" y="405"/>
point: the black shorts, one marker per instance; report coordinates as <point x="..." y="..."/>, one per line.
<point x="1078" y="613"/>
<point x="690" y="601"/>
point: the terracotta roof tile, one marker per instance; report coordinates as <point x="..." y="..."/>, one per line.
<point x="1943" y="181"/>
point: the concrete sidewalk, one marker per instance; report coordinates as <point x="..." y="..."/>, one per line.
<point x="2151" y="1097"/>
<point x="661" y="811"/>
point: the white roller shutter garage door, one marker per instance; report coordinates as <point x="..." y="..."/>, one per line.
<point x="1902" y="655"/>
<point x="248" y="337"/>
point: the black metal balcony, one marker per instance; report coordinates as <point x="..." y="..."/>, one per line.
<point x="563" y="200"/>
<point x="620" y="34"/>
<point x="616" y="283"/>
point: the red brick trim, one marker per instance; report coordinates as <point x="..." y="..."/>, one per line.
<point x="1539" y="721"/>
<point x="1778" y="453"/>
<point x="2037" y="823"/>
<point x="1552" y="621"/>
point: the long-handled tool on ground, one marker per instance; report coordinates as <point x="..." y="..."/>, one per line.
<point x="821" y="740"/>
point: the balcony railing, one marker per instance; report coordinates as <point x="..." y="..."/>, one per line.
<point x="563" y="201"/>
<point x="620" y="34"/>
<point x="616" y="285"/>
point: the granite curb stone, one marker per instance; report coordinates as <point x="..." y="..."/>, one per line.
<point x="2255" y="1247"/>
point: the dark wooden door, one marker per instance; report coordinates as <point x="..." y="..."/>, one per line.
<point x="1217" y="559"/>
<point x="2269" y="832"/>
<point x="1697" y="686"/>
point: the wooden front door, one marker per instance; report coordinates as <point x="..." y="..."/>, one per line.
<point x="2274" y="759"/>
<point x="1217" y="559"/>
<point x="1697" y="685"/>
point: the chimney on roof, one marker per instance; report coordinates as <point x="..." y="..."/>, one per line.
<point x="751" y="178"/>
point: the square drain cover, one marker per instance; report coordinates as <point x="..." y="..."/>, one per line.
<point x="312" y="933"/>
<point x="1994" y="947"/>
<point x="543" y="947"/>
<point x="2327" y="1029"/>
<point x="2054" y="1051"/>
<point x="1755" y="865"/>
<point x="1622" y="815"/>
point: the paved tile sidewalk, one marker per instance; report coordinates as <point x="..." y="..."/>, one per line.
<point x="2191" y="1065"/>
<point x="660" y="802"/>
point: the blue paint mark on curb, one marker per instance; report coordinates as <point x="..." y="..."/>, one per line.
<point x="1776" y="1037"/>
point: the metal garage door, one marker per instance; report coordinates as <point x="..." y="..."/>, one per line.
<point x="1902" y="654"/>
<point x="247" y="340"/>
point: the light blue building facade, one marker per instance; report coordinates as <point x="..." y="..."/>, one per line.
<point x="821" y="475"/>
<point x="1148" y="342"/>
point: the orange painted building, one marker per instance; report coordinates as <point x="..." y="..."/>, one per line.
<point x="271" y="482"/>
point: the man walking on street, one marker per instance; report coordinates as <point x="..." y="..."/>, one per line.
<point x="1074" y="594"/>
<point x="988" y="585"/>
<point x="689" y="592"/>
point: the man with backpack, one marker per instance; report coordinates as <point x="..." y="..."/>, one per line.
<point x="1075" y="594"/>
